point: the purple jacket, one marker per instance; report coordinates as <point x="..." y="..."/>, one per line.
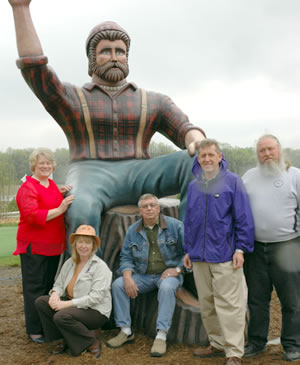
<point x="218" y="218"/>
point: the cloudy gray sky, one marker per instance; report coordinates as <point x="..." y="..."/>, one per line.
<point x="232" y="65"/>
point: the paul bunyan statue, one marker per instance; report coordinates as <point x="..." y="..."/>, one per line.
<point x="108" y="123"/>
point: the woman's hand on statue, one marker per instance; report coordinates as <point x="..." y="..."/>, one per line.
<point x="64" y="189"/>
<point x="66" y="202"/>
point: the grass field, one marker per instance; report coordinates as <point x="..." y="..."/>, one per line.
<point x="8" y="245"/>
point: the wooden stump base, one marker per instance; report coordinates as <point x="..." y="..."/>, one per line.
<point x="187" y="326"/>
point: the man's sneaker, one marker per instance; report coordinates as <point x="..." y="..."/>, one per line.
<point x="120" y="340"/>
<point x="159" y="348"/>
<point x="291" y="356"/>
<point x="208" y="351"/>
<point x="252" y="350"/>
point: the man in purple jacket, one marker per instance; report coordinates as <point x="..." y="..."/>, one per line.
<point x="218" y="229"/>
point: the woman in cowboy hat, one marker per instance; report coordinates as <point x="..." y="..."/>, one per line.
<point x="80" y="300"/>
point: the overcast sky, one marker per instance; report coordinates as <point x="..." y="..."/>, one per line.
<point x="233" y="66"/>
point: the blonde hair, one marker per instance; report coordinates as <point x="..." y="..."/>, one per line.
<point x="75" y="255"/>
<point x="42" y="151"/>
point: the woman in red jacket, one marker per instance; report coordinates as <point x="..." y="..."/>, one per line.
<point x="41" y="236"/>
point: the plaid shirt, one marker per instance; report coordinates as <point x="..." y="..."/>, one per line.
<point x="114" y="119"/>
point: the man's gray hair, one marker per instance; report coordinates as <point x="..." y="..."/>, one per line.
<point x="269" y="136"/>
<point x="147" y="196"/>
<point x="207" y="143"/>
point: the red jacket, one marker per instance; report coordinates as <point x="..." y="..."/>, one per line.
<point x="34" y="201"/>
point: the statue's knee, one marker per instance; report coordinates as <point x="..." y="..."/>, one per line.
<point x="84" y="209"/>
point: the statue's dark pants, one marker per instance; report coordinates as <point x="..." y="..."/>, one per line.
<point x="101" y="185"/>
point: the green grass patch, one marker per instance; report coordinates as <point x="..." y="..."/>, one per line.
<point x="8" y="225"/>
<point x="10" y="261"/>
<point x="8" y="245"/>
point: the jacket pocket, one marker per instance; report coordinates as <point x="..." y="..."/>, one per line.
<point x="137" y="252"/>
<point x="172" y="249"/>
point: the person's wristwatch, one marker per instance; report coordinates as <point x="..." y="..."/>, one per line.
<point x="178" y="270"/>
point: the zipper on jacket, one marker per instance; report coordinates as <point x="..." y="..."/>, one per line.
<point x="205" y="219"/>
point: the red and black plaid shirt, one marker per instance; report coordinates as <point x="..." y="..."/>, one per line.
<point x="114" y="119"/>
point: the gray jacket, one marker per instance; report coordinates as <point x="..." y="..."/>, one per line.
<point x="92" y="287"/>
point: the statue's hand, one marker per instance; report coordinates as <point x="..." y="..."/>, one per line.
<point x="19" y="2"/>
<point x="192" y="147"/>
<point x="192" y="140"/>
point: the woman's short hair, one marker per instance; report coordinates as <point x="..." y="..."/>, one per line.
<point x="42" y="151"/>
<point x="75" y="255"/>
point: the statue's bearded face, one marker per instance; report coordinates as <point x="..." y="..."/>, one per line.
<point x="111" y="61"/>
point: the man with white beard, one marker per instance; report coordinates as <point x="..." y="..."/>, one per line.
<point x="274" y="193"/>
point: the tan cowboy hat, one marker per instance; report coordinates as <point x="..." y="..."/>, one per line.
<point x="85" y="230"/>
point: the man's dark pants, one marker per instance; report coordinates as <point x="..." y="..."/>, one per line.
<point x="274" y="265"/>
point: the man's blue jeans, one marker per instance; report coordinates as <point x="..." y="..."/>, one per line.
<point x="166" y="298"/>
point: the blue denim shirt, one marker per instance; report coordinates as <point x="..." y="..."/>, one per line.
<point x="135" y="250"/>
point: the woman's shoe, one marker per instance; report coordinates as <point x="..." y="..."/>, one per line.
<point x="95" y="349"/>
<point x="39" y="339"/>
<point x="60" y="348"/>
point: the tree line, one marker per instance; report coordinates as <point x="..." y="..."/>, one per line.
<point x="14" y="164"/>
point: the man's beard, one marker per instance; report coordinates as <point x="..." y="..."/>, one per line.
<point x="112" y="71"/>
<point x="272" y="168"/>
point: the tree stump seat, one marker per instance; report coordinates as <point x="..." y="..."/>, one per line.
<point x="187" y="326"/>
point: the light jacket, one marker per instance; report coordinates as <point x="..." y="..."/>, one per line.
<point x="218" y="217"/>
<point x="135" y="250"/>
<point x="92" y="287"/>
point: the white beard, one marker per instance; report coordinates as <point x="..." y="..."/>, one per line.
<point x="272" y="169"/>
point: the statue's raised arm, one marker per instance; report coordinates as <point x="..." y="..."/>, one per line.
<point x="109" y="123"/>
<point x="28" y="42"/>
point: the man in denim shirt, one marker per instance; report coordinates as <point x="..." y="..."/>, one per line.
<point x="151" y="257"/>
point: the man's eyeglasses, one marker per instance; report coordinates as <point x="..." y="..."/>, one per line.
<point x="151" y="205"/>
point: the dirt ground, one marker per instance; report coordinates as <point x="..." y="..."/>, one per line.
<point x="15" y="347"/>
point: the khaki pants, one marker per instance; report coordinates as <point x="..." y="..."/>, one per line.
<point x="222" y="303"/>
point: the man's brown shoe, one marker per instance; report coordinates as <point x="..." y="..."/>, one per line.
<point x="233" y="361"/>
<point x="208" y="351"/>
